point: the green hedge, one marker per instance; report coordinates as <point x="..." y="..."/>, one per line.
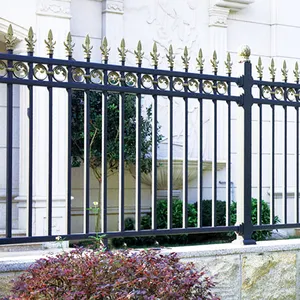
<point x="192" y="222"/>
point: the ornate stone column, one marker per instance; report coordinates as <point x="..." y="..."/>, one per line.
<point x="19" y="33"/>
<point x="218" y="28"/>
<point x="54" y="15"/>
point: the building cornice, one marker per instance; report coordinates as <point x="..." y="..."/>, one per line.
<point x="233" y="5"/>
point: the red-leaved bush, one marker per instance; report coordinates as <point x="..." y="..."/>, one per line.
<point x="86" y="274"/>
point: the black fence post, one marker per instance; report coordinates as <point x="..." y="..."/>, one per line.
<point x="244" y="199"/>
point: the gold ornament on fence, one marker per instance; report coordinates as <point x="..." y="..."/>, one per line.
<point x="50" y="43"/>
<point x="185" y="58"/>
<point x="154" y="55"/>
<point x="228" y="64"/>
<point x="272" y="70"/>
<point x="284" y="71"/>
<point x="296" y="72"/>
<point x="122" y="51"/>
<point x="139" y="54"/>
<point x="259" y="68"/>
<point x="10" y="40"/>
<point x="200" y="60"/>
<point x="105" y="49"/>
<point x="68" y="45"/>
<point x="214" y="62"/>
<point x="87" y="48"/>
<point x="30" y="41"/>
<point x="170" y="57"/>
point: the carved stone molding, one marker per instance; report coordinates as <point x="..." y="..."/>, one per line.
<point x="55" y="8"/>
<point x="233" y="5"/>
<point x="113" y="6"/>
<point x="218" y="16"/>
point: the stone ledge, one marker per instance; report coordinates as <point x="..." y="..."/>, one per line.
<point x="20" y="261"/>
<point x="231" y="249"/>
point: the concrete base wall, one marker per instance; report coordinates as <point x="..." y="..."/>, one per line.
<point x="269" y="270"/>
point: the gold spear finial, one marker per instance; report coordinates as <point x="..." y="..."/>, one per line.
<point x="139" y="54"/>
<point x="68" y="45"/>
<point x="185" y="58"/>
<point x="272" y="70"/>
<point x="122" y="51"/>
<point x="228" y="64"/>
<point x="214" y="62"/>
<point x="260" y="68"/>
<point x="50" y="43"/>
<point x="284" y="71"/>
<point x="87" y="48"/>
<point x="296" y="72"/>
<point x="170" y="57"/>
<point x="10" y="40"/>
<point x="154" y="55"/>
<point x="105" y="49"/>
<point x="30" y="42"/>
<point x="200" y="60"/>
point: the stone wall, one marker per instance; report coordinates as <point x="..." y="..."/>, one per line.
<point x="269" y="270"/>
<point x="266" y="271"/>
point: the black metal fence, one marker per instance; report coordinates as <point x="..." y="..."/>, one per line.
<point x="71" y="75"/>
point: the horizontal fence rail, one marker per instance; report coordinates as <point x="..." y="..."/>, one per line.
<point x="94" y="90"/>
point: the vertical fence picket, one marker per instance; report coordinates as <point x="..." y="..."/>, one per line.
<point x="50" y="147"/>
<point x="30" y="150"/>
<point x="9" y="148"/>
<point x="122" y="100"/>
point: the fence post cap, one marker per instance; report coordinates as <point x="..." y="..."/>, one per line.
<point x="244" y="53"/>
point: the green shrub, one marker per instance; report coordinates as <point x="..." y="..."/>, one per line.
<point x="192" y="222"/>
<point x="161" y="218"/>
<point x="265" y="218"/>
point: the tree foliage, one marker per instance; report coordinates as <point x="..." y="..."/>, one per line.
<point x="113" y="132"/>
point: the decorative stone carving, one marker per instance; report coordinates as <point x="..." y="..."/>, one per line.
<point x="218" y="16"/>
<point x="174" y="24"/>
<point x="220" y="10"/>
<point x="57" y="8"/>
<point x="113" y="6"/>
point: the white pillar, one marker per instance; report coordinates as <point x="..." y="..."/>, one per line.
<point x="54" y="15"/>
<point x="218" y="42"/>
<point x="113" y="26"/>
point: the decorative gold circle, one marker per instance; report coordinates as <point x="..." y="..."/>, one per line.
<point x="178" y="84"/>
<point x="40" y="72"/>
<point x="96" y="76"/>
<point x="20" y="70"/>
<point x="291" y="94"/>
<point x="130" y="80"/>
<point x="266" y="92"/>
<point x="163" y="82"/>
<point x="3" y="67"/>
<point x="279" y="93"/>
<point x="59" y="73"/>
<point x="222" y="87"/>
<point x="193" y="85"/>
<point x="113" y="78"/>
<point x="207" y="87"/>
<point x="147" y="81"/>
<point x="78" y="75"/>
